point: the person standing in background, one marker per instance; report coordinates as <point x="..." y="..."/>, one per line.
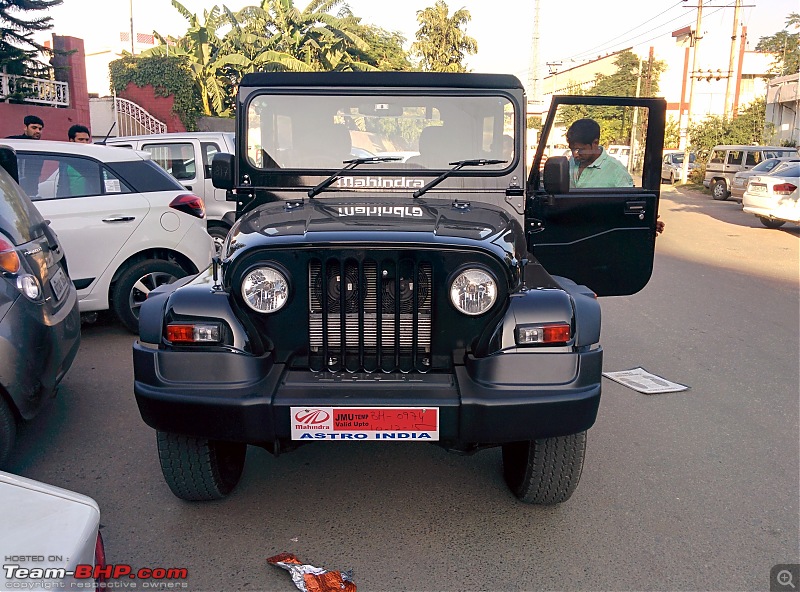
<point x="33" y="129"/>
<point x="79" y="133"/>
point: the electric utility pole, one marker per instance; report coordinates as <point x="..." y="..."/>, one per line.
<point x="698" y="35"/>
<point x="131" y="7"/>
<point x="728" y="107"/>
<point x="534" y="81"/>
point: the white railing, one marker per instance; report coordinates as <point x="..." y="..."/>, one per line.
<point x="34" y="90"/>
<point x="132" y="120"/>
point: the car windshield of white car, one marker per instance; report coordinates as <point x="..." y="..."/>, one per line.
<point x="420" y="132"/>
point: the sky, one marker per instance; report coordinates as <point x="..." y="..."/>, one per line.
<point x="569" y="32"/>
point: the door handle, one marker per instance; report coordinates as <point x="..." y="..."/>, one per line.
<point x="635" y="208"/>
<point x="119" y="219"/>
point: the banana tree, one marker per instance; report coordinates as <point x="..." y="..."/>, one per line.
<point x="200" y="45"/>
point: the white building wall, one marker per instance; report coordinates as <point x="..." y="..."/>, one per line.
<point x="783" y="109"/>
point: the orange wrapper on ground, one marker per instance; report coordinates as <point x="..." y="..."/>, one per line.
<point x="308" y="578"/>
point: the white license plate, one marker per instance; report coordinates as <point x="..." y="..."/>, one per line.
<point x="365" y="423"/>
<point x="59" y="283"/>
<point x="758" y="188"/>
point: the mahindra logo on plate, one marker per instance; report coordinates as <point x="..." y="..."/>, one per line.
<point x="312" y="416"/>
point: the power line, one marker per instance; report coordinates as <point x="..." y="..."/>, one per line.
<point x="665" y="33"/>
<point x="591" y="50"/>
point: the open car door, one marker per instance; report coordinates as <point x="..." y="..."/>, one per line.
<point x="602" y="237"/>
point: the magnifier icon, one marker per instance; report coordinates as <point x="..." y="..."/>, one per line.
<point x="784" y="578"/>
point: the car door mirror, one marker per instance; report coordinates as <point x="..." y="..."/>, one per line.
<point x="556" y="175"/>
<point x="222" y="171"/>
<point x="8" y="160"/>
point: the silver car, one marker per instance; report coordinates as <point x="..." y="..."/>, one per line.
<point x="764" y="167"/>
<point x="672" y="163"/>
<point x="773" y="198"/>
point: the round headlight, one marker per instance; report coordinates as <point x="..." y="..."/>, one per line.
<point x="473" y="292"/>
<point x="265" y="289"/>
<point x="29" y="285"/>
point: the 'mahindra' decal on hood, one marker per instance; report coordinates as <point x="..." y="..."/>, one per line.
<point x="398" y="211"/>
<point x="379" y="182"/>
<point x="433" y="220"/>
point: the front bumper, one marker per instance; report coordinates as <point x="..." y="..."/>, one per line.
<point x="501" y="398"/>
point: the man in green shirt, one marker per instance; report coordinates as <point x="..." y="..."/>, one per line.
<point x="590" y="165"/>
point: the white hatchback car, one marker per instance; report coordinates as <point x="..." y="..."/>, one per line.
<point x="125" y="224"/>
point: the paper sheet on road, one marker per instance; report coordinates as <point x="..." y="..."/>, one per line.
<point x="641" y="380"/>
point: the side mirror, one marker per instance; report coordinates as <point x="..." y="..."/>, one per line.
<point x="222" y="170"/>
<point x="8" y="160"/>
<point x="556" y="175"/>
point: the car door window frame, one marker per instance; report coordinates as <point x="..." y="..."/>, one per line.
<point x="154" y="147"/>
<point x="63" y="162"/>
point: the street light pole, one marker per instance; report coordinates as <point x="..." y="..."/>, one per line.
<point x="698" y="34"/>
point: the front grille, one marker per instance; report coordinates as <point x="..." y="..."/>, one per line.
<point x="370" y="315"/>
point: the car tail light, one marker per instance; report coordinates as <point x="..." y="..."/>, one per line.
<point x="99" y="557"/>
<point x="189" y="204"/>
<point x="193" y="333"/>
<point x="552" y="334"/>
<point x="9" y="260"/>
<point x="784" y="189"/>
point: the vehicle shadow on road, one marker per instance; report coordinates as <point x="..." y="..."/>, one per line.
<point x="728" y="211"/>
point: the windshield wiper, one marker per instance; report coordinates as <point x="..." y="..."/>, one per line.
<point x="349" y="164"/>
<point x="459" y="164"/>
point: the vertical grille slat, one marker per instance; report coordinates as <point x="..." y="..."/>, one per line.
<point x="415" y="317"/>
<point x="368" y="315"/>
<point x="396" y="311"/>
<point x="361" y="297"/>
<point x="344" y="286"/>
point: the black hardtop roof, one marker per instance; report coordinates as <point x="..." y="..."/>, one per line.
<point x="382" y="79"/>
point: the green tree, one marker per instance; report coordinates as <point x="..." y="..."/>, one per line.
<point x="785" y="46"/>
<point x="384" y="49"/>
<point x="442" y="44"/>
<point x="616" y="122"/>
<point x="200" y="46"/>
<point x="307" y="40"/>
<point x="672" y="133"/>
<point x="747" y="128"/>
<point x="19" y="52"/>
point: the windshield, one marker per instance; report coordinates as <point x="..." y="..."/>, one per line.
<point x="421" y="132"/>
<point x="678" y="158"/>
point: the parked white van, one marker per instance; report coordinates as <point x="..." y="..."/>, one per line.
<point x="180" y="154"/>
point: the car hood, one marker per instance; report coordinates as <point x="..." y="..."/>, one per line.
<point x="379" y="221"/>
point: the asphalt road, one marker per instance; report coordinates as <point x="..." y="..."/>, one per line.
<point x="695" y="490"/>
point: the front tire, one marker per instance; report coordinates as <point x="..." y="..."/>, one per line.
<point x="8" y="430"/>
<point x="136" y="283"/>
<point x="197" y="469"/>
<point x="770" y="223"/>
<point x="544" y="471"/>
<point x="719" y="189"/>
